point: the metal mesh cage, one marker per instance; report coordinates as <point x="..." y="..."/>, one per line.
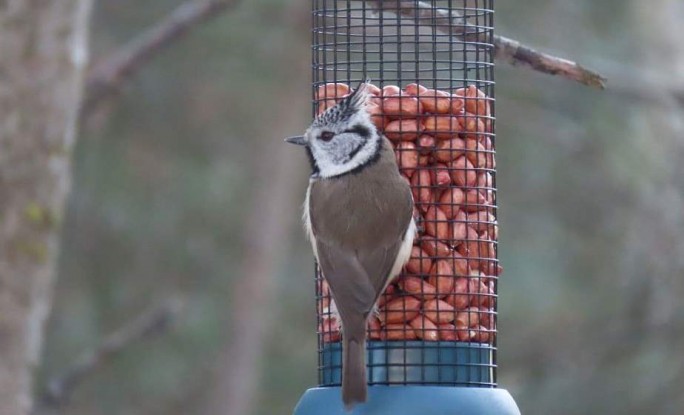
<point x="432" y="64"/>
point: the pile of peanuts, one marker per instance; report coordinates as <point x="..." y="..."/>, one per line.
<point x="443" y="146"/>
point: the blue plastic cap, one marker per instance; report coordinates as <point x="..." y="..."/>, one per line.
<point x="411" y="400"/>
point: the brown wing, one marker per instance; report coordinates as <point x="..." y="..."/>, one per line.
<point x="359" y="222"/>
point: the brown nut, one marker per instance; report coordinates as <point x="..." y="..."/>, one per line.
<point x="436" y="223"/>
<point x="478" y="155"/>
<point x="448" y="150"/>
<point x="334" y="91"/>
<point x="438" y="311"/>
<point x="374" y="328"/>
<point x="483" y="220"/>
<point x="440" y="175"/>
<point x="470" y="317"/>
<point x="485" y="297"/>
<point x="399" y="331"/>
<point x="390" y="90"/>
<point x="450" y="201"/>
<point x="434" y="247"/>
<point x="471" y="126"/>
<point x="486" y="142"/>
<point x="418" y="287"/>
<point x="442" y="126"/>
<point x="478" y="250"/>
<point x="459" y="232"/>
<point x="377" y="117"/>
<point x="419" y="263"/>
<point x="373" y="90"/>
<point x="329" y="329"/>
<point x="482" y="335"/>
<point x="415" y="89"/>
<point x="426" y="144"/>
<point x="405" y="130"/>
<point x="474" y="200"/>
<point x="464" y="333"/>
<point x="475" y="100"/>
<point x="460" y="299"/>
<point x="436" y="102"/>
<point x="407" y="157"/>
<point x="399" y="310"/>
<point x="447" y="332"/>
<point x="386" y="296"/>
<point x="485" y="181"/>
<point x="421" y="189"/>
<point x="470" y="235"/>
<point x="401" y="106"/>
<point x="463" y="173"/>
<point x="423" y="160"/>
<point x="442" y="277"/>
<point x="487" y="317"/>
<point x="424" y="328"/>
<point x="460" y="265"/>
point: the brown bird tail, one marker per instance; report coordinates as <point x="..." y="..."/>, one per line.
<point x="354" y="387"/>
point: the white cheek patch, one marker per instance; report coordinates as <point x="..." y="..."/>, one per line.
<point x="328" y="168"/>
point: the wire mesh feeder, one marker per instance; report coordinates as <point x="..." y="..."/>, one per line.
<point x="431" y="63"/>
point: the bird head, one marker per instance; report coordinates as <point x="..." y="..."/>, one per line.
<point x="343" y="138"/>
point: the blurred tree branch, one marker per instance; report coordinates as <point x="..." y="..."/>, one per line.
<point x="506" y="50"/>
<point x="153" y="322"/>
<point x="109" y="73"/>
<point x="43" y="58"/>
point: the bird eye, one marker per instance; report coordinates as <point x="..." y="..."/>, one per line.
<point x="326" y="136"/>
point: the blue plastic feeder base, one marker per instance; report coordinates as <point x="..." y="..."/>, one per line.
<point x="411" y="400"/>
<point x="414" y="378"/>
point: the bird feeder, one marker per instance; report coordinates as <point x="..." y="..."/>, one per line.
<point x="432" y="343"/>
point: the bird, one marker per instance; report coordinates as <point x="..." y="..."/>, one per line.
<point x="358" y="215"/>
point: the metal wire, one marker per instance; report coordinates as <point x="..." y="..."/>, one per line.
<point x="437" y="320"/>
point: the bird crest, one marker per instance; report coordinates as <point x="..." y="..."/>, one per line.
<point x="349" y="106"/>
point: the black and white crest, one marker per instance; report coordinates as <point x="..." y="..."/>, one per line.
<point x="345" y="109"/>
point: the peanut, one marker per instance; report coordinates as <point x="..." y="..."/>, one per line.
<point x="398" y="331"/>
<point x="442" y="126"/>
<point x="434" y="248"/>
<point x="421" y="189"/>
<point x="418" y="287"/>
<point x="442" y="277"/>
<point x="463" y="173"/>
<point x="450" y="200"/>
<point x="332" y="90"/>
<point x="399" y="310"/>
<point x="420" y="263"/>
<point x="424" y="328"/>
<point x="407" y="157"/>
<point x="436" y="223"/>
<point x="406" y="129"/>
<point x="448" y="150"/>
<point x="438" y="311"/>
<point x="401" y="106"/>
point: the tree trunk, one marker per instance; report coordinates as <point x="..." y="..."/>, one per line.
<point x="43" y="52"/>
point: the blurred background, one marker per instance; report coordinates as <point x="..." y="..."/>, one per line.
<point x="183" y="189"/>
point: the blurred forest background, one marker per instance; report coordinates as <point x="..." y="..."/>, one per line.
<point x="184" y="189"/>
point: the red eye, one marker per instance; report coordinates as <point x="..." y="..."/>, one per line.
<point x="326" y="136"/>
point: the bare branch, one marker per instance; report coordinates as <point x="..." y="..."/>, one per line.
<point x="150" y="323"/>
<point x="506" y="50"/>
<point x="107" y="75"/>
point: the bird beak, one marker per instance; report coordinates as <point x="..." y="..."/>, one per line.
<point x="299" y="140"/>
